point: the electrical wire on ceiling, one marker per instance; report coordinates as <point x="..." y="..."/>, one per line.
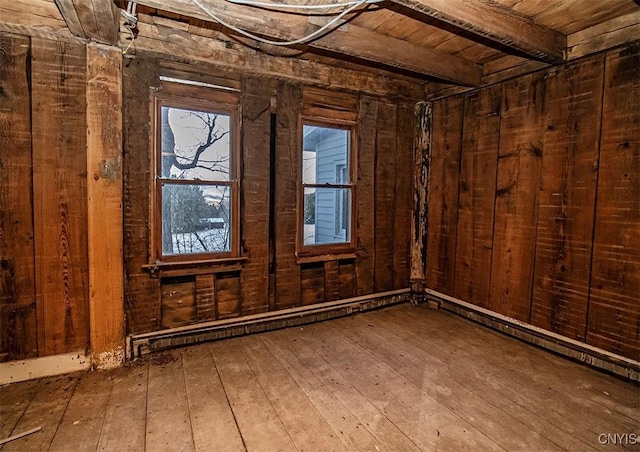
<point x="130" y="23"/>
<point x="333" y="23"/>
<point x="287" y="6"/>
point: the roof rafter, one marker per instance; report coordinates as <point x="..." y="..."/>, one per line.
<point x="351" y="40"/>
<point x="93" y="19"/>
<point x="497" y="23"/>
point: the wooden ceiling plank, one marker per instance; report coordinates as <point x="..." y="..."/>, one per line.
<point x="493" y="21"/>
<point x="235" y="57"/>
<point x="604" y="36"/>
<point x="94" y="19"/>
<point x="107" y="17"/>
<point x="70" y="16"/>
<point x="355" y="41"/>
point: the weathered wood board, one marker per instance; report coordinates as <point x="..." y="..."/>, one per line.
<point x="59" y="140"/>
<point x="517" y="189"/>
<point x="478" y="166"/>
<point x="567" y="196"/>
<point x="443" y="193"/>
<point x="614" y="310"/>
<point x="18" y="333"/>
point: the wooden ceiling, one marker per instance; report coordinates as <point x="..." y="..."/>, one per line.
<point x="448" y="43"/>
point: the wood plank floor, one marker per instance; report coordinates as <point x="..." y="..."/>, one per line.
<point x="398" y="379"/>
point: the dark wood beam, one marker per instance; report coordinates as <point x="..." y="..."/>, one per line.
<point x="497" y="23"/>
<point x="350" y="40"/>
<point x="94" y="19"/>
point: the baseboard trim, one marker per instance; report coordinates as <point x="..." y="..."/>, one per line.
<point x="140" y="344"/>
<point x="46" y="366"/>
<point x="576" y="350"/>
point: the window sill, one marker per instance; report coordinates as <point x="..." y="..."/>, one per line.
<point x="195" y="267"/>
<point x="306" y="259"/>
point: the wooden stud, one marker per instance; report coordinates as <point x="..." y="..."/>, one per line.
<point x="256" y="130"/>
<point x="365" y="246"/>
<point x="142" y="297"/>
<point x="385" y="196"/>
<point x="404" y="195"/>
<point x="423" y="113"/>
<point x="104" y="187"/>
<point x="287" y="167"/>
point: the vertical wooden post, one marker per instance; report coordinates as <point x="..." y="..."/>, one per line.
<point x="421" y="161"/>
<point x="104" y="186"/>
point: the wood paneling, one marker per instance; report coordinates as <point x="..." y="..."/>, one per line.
<point x="517" y="188"/>
<point x="403" y="195"/>
<point x="287" y="167"/>
<point x="346" y="275"/>
<point x="60" y="194"/>
<point x="478" y="166"/>
<point x="365" y="221"/>
<point x="567" y="196"/>
<point x="228" y="295"/>
<point x="142" y="293"/>
<point x="312" y="283"/>
<point x="18" y="339"/>
<point x="558" y="247"/>
<point x="255" y="186"/>
<point x="385" y="196"/>
<point x="443" y="194"/>
<point x="178" y="303"/>
<point x="614" y="311"/>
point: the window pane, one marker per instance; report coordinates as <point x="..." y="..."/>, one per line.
<point x="324" y="148"/>
<point x="327" y="215"/>
<point x="195" y="144"/>
<point x="196" y="218"/>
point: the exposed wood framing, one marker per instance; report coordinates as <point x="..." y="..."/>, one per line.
<point x="421" y="161"/>
<point x="162" y="41"/>
<point x="359" y="42"/>
<point x="104" y="187"/>
<point x="94" y="19"/>
<point x="497" y="23"/>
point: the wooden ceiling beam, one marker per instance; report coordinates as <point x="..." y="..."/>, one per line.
<point x="498" y="23"/>
<point x="350" y="40"/>
<point x="94" y="19"/>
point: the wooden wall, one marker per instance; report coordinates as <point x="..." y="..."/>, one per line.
<point x="271" y="277"/>
<point x="43" y="198"/>
<point x="534" y="205"/>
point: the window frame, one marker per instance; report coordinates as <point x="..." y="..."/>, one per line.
<point x="198" y="99"/>
<point x="338" y="248"/>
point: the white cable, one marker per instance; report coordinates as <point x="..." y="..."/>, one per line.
<point x="302" y="40"/>
<point x="292" y="6"/>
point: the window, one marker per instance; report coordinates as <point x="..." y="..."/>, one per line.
<point x="196" y="179"/>
<point x="327" y="188"/>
